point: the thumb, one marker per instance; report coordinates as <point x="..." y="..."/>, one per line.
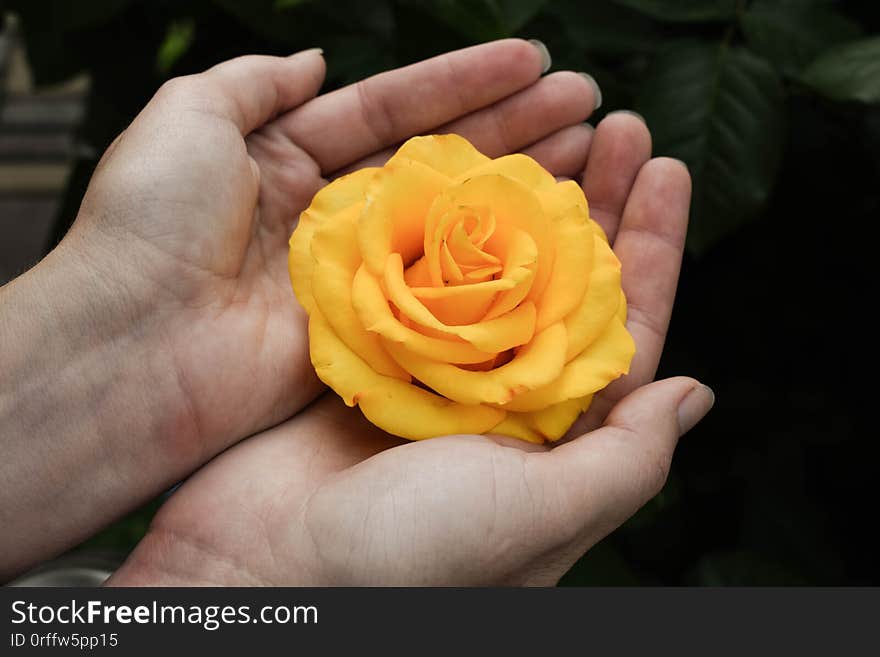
<point x="608" y="474"/>
<point x="251" y="90"/>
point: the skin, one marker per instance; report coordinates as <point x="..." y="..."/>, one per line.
<point x="162" y="331"/>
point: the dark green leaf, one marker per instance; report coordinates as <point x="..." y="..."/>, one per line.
<point x="63" y="15"/>
<point x="287" y="4"/>
<point x="177" y="41"/>
<point x="482" y="20"/>
<point x="719" y="109"/>
<point x="601" y="566"/>
<point x="299" y="26"/>
<point x="602" y="26"/>
<point x="684" y="10"/>
<point x="792" y="33"/>
<point x="850" y="71"/>
<point x="742" y="568"/>
<point x="353" y="58"/>
<point x="515" y="14"/>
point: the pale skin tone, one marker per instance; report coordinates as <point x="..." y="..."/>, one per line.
<point x="163" y="330"/>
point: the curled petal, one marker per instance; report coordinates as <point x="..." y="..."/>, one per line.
<point x="466" y="251"/>
<point x="536" y="364"/>
<point x="564" y="196"/>
<point x="552" y="422"/>
<point x="518" y="167"/>
<point x="598" y="365"/>
<point x="493" y="335"/>
<point x="335" y="197"/>
<point x="512" y="425"/>
<point x="375" y="314"/>
<point x="571" y="270"/>
<point x="381" y="398"/>
<point x="601" y="301"/>
<point x="336" y="259"/>
<point x="454" y="291"/>
<point x="513" y="206"/>
<point x="549" y="423"/>
<point x="398" y="198"/>
<point x="449" y="154"/>
<point x="520" y="265"/>
<point x="470" y="302"/>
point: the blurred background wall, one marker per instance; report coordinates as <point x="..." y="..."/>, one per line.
<point x="37" y="152"/>
<point x="774" y="105"/>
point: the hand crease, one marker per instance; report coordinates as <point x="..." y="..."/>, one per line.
<point x="376" y="115"/>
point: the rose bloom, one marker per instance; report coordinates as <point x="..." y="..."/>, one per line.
<point x="451" y="293"/>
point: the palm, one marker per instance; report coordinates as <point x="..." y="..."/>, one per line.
<point x="320" y="492"/>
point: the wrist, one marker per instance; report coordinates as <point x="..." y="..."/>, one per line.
<point x="168" y="559"/>
<point x="84" y="398"/>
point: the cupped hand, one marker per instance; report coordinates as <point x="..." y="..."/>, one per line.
<point x="326" y="498"/>
<point x="190" y="211"/>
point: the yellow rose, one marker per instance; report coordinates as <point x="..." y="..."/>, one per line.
<point x="448" y="292"/>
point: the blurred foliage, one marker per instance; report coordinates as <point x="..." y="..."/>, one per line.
<point x="772" y="104"/>
<point x="713" y="77"/>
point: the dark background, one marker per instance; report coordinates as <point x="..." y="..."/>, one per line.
<point x="774" y="106"/>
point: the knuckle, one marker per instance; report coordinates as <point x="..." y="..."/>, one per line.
<point x="174" y="89"/>
<point x="376" y="113"/>
<point x="657" y="466"/>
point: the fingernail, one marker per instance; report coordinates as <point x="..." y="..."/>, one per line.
<point x="546" y="60"/>
<point x="597" y="92"/>
<point x="694" y="407"/>
<point x="318" y="51"/>
<point x="629" y="112"/>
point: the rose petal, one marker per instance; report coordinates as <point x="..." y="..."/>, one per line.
<point x="375" y="314"/>
<point x="381" y="398"/>
<point x="537" y="364"/>
<point x="513" y="206"/>
<point x="338" y="195"/>
<point x="465" y="304"/>
<point x="467" y="310"/>
<point x="564" y="196"/>
<point x="601" y="301"/>
<point x="571" y="270"/>
<point x="337" y="258"/>
<point x="398" y="199"/>
<point x="516" y="428"/>
<point x="518" y="167"/>
<point x="457" y="291"/>
<point x="493" y="336"/>
<point x="549" y="423"/>
<point x="465" y="251"/>
<point x="449" y="154"/>
<point x="602" y="362"/>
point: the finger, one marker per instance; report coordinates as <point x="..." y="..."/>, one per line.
<point x="565" y="152"/>
<point x="621" y="145"/>
<point x="603" y="477"/>
<point x="554" y="102"/>
<point x="333" y="435"/>
<point x="346" y="125"/>
<point x="649" y="244"/>
<point x="253" y="89"/>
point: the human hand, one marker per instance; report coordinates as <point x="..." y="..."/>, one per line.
<point x="327" y="498"/>
<point x="165" y="326"/>
<point x="199" y="197"/>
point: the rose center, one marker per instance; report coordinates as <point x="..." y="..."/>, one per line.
<point x="460" y="246"/>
